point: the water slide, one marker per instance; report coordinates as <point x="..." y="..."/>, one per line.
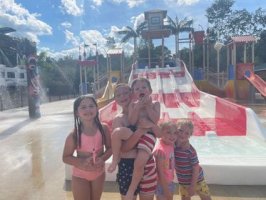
<point x="229" y="138"/>
<point x="107" y="96"/>
<point x="180" y="98"/>
<point x="256" y="81"/>
<point x="108" y="93"/>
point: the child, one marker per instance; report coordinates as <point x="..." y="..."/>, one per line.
<point x="189" y="173"/>
<point x="143" y="109"/>
<point x="91" y="141"/>
<point x="165" y="164"/>
<point x="122" y="96"/>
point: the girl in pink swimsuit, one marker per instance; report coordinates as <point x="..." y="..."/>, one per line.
<point x="87" y="148"/>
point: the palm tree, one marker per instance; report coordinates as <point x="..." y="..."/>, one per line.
<point x="177" y="27"/>
<point x="129" y="33"/>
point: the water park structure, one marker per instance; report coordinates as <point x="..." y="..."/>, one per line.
<point x="222" y="127"/>
<point x="238" y="81"/>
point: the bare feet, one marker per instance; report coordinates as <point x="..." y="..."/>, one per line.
<point x="112" y="167"/>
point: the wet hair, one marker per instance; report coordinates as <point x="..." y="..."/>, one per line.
<point x="77" y="122"/>
<point x="141" y="79"/>
<point x="121" y="85"/>
<point x="186" y="123"/>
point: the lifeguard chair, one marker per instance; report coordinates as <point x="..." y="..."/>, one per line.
<point x="155" y="30"/>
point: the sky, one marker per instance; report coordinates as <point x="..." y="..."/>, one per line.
<point x="59" y="27"/>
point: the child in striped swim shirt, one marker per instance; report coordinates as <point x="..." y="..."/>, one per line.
<point x="189" y="173"/>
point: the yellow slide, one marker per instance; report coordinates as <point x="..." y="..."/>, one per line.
<point x="108" y="94"/>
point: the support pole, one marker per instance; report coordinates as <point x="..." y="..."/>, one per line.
<point x="33" y="87"/>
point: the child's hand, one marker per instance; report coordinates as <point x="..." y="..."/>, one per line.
<point x="147" y="100"/>
<point x="85" y="164"/>
<point x="139" y="104"/>
<point x="191" y="190"/>
<point x="99" y="163"/>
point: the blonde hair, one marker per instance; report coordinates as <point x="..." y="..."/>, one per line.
<point x="186" y="123"/>
<point x="121" y="85"/>
<point x="164" y="125"/>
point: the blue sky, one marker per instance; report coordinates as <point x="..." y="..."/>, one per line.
<point x="60" y="26"/>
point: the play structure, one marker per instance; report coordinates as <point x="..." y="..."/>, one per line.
<point x="102" y="86"/>
<point x="229" y="138"/>
<point x="114" y="76"/>
<point x="225" y="132"/>
<point x="242" y="82"/>
<point x="256" y="81"/>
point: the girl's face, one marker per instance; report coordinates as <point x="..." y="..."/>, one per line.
<point x="87" y="110"/>
<point x="141" y="89"/>
<point x="184" y="133"/>
<point x="169" y="134"/>
<point x="123" y="96"/>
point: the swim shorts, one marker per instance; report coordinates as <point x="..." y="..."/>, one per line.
<point x="149" y="181"/>
<point x="124" y="175"/>
<point x="201" y="188"/>
<point x="171" y="187"/>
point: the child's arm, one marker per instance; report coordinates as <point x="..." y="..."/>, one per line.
<point x="153" y="111"/>
<point x="131" y="142"/>
<point x="193" y="184"/>
<point x="133" y="112"/>
<point x="160" y="162"/>
<point x="117" y="122"/>
<point x="108" y="150"/>
<point x="143" y="126"/>
<point x="69" y="149"/>
<point x="100" y="160"/>
<point x="69" y="158"/>
<point x="146" y="123"/>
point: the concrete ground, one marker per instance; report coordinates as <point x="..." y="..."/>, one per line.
<point x="32" y="169"/>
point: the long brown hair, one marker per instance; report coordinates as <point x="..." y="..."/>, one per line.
<point x="77" y="122"/>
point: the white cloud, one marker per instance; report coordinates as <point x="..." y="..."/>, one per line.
<point x="98" y="2"/>
<point x="66" y="24"/>
<point x="182" y="2"/>
<point x="25" y="23"/>
<point x="71" y="7"/>
<point x="91" y="37"/>
<point x="70" y="38"/>
<point x="113" y="33"/>
<point x="137" y="20"/>
<point x="131" y="3"/>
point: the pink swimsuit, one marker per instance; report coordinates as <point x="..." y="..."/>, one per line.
<point x="89" y="144"/>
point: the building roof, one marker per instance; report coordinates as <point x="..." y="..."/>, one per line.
<point x="115" y="51"/>
<point x="243" y="39"/>
<point x="4" y="30"/>
<point x="146" y="13"/>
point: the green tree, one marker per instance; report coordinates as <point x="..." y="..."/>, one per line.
<point x="227" y="22"/>
<point x="129" y="33"/>
<point x="260" y="48"/>
<point x="219" y="14"/>
<point x="177" y="27"/>
<point x="61" y="76"/>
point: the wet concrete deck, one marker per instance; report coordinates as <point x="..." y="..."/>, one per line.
<point x="31" y="166"/>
